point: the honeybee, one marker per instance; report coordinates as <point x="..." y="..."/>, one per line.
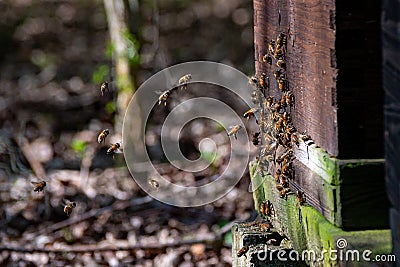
<point x="269" y="102"/>
<point x="266" y="208"/>
<point x="301" y="198"/>
<point x="287" y="155"/>
<point x="281" y="64"/>
<point x="243" y="251"/>
<point x="183" y="81"/>
<point x="281" y="40"/>
<point x="287" y="99"/>
<point x="278" y="174"/>
<point x="284" y="181"/>
<point x="271" y="47"/>
<point x="255" y="138"/>
<point x="233" y="130"/>
<point x="297" y="137"/>
<point x="39" y="186"/>
<point x="104" y="88"/>
<point x="154" y="183"/>
<point x="288" y="171"/>
<point x="277" y="106"/>
<point x="278" y="74"/>
<point x="286" y="120"/>
<point x="265" y="226"/>
<point x="253" y="80"/>
<point x="273" y="242"/>
<point x="264" y="81"/>
<point x="69" y="206"/>
<point x="305" y="137"/>
<point x="278" y="53"/>
<point x="163" y="97"/>
<point x="113" y="149"/>
<point x="267" y="59"/>
<point x="284" y="192"/>
<point x="250" y="113"/>
<point x="102" y="136"/>
<point x="283" y="84"/>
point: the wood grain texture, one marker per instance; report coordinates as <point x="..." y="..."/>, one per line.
<point x="311" y="63"/>
<point x="334" y="70"/>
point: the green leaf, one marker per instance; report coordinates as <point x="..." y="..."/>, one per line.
<point x="101" y="74"/>
<point x="209" y="156"/>
<point x="109" y="50"/>
<point x="219" y="127"/>
<point x="228" y="238"/>
<point x="78" y="146"/>
<point x="110" y="107"/>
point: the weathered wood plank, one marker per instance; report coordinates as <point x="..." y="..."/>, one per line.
<point x="311" y="70"/>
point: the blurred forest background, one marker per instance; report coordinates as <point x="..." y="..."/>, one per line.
<point x="53" y="57"/>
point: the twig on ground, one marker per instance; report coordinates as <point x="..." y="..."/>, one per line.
<point x="119" y="205"/>
<point x="97" y="248"/>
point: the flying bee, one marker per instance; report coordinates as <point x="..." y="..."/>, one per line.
<point x="266" y="208"/>
<point x="250" y="113"/>
<point x="267" y="59"/>
<point x="163" y="97"/>
<point x="183" y="81"/>
<point x="69" y="206"/>
<point x="154" y="183"/>
<point x="102" y="136"/>
<point x="255" y="139"/>
<point x="39" y="186"/>
<point x="281" y="64"/>
<point x="104" y="88"/>
<point x="301" y="198"/>
<point x="243" y="251"/>
<point x="114" y="148"/>
<point x="234" y="130"/>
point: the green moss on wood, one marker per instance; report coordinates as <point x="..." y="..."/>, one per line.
<point x="257" y="182"/>
<point x="308" y="229"/>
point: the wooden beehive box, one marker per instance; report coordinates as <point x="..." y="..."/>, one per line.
<point x="333" y="56"/>
<point x="333" y="59"/>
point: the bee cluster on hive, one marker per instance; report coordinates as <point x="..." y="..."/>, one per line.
<point x="279" y="134"/>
